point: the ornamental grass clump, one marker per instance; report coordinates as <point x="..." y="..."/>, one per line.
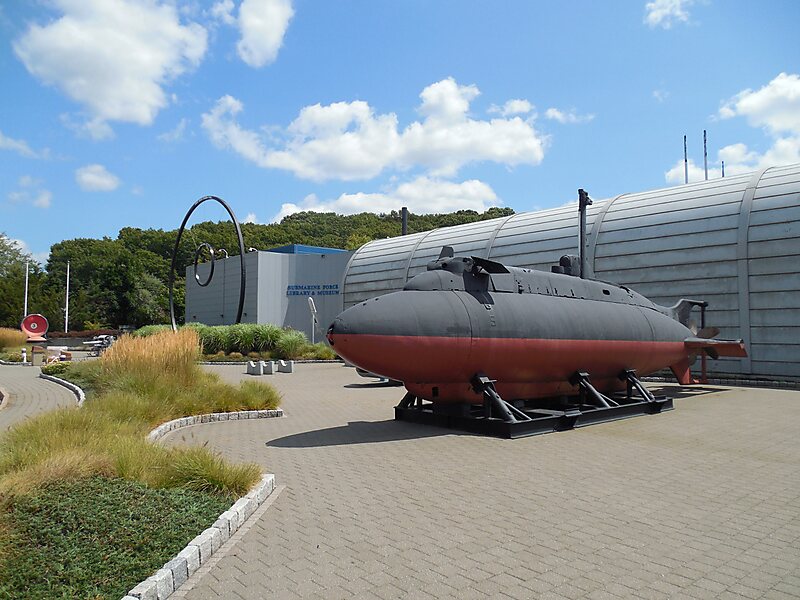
<point x="291" y="344"/>
<point x="172" y="354"/>
<point x="266" y="336"/>
<point x="12" y="338"/>
<point x="136" y="385"/>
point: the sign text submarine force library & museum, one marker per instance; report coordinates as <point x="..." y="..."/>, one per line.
<point x="326" y="289"/>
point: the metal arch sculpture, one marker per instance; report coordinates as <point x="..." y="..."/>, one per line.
<point x="197" y="256"/>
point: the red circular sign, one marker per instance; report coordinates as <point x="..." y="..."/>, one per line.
<point x="34" y="325"/>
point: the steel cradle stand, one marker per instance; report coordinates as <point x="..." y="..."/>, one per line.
<point x="533" y="417"/>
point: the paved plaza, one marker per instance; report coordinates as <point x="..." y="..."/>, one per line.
<point x="26" y="395"/>
<point x="699" y="502"/>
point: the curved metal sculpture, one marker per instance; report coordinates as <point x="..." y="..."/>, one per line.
<point x="207" y="246"/>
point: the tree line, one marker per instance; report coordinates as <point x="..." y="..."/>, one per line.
<point x="124" y="281"/>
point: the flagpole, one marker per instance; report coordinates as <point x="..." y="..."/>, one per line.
<point x="66" y="305"/>
<point x="25" y="305"/>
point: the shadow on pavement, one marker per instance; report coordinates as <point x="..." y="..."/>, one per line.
<point x="681" y="392"/>
<point x="373" y="384"/>
<point x="362" y="432"/>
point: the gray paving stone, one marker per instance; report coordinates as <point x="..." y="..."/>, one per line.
<point x="652" y="507"/>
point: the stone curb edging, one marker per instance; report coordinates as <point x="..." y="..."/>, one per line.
<point x="240" y="415"/>
<point x="79" y="394"/>
<point x="197" y="552"/>
<point x="15" y="364"/>
<point x="302" y="361"/>
<point x="756" y="383"/>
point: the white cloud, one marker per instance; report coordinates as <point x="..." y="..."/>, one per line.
<point x="24" y="248"/>
<point x="176" y="134"/>
<point x="738" y="159"/>
<point x="776" y="108"/>
<point x="512" y="107"/>
<point x="660" y="95"/>
<point x="21" y="147"/>
<point x="225" y="132"/>
<point x="666" y="13"/>
<point x="569" y="117"/>
<point x="348" y="141"/>
<point x="31" y="191"/>
<point x="223" y="11"/>
<point x="112" y="56"/>
<point x="262" y="24"/>
<point x="43" y="199"/>
<point x="250" y="218"/>
<point x="422" y="195"/>
<point x="96" y="178"/>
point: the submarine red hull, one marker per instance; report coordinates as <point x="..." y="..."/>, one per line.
<point x="435" y="342"/>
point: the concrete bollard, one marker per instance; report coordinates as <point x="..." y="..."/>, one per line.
<point x="285" y="366"/>
<point x="268" y="366"/>
<point x="255" y="368"/>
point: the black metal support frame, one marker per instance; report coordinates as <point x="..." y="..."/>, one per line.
<point x="523" y="418"/>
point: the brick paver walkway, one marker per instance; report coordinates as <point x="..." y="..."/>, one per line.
<point x="700" y="502"/>
<point x="28" y="395"/>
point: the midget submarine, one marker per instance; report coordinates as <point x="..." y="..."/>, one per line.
<point x="469" y="326"/>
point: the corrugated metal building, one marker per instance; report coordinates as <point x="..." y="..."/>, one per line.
<point x="732" y="242"/>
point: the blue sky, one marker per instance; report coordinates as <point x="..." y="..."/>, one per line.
<point x="122" y="113"/>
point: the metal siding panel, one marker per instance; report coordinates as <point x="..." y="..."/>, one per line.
<point x="775" y="335"/>
<point x="788" y="317"/>
<point x="641" y="230"/>
<point x="777" y="264"/>
<point x="780" y="369"/>
<point x="775" y="283"/>
<point x="674" y="257"/>
<point x="671" y="273"/>
<point x="787" y="353"/>
<point x="775" y="215"/>
<point x="777" y="202"/>
<point x="686" y="242"/>
<point x="670" y="219"/>
<point x="694" y="287"/>
<point x="684" y="205"/>
<point x="770" y="248"/>
<point x="776" y="231"/>
<point x="774" y="300"/>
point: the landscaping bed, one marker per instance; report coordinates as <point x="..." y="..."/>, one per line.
<point x="55" y="466"/>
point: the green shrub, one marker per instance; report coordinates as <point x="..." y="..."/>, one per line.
<point x="266" y="336"/>
<point x="14" y="357"/>
<point x="213" y="339"/>
<point x="58" y="368"/>
<point x="241" y="338"/>
<point x="236" y="356"/>
<point x="291" y="343"/>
